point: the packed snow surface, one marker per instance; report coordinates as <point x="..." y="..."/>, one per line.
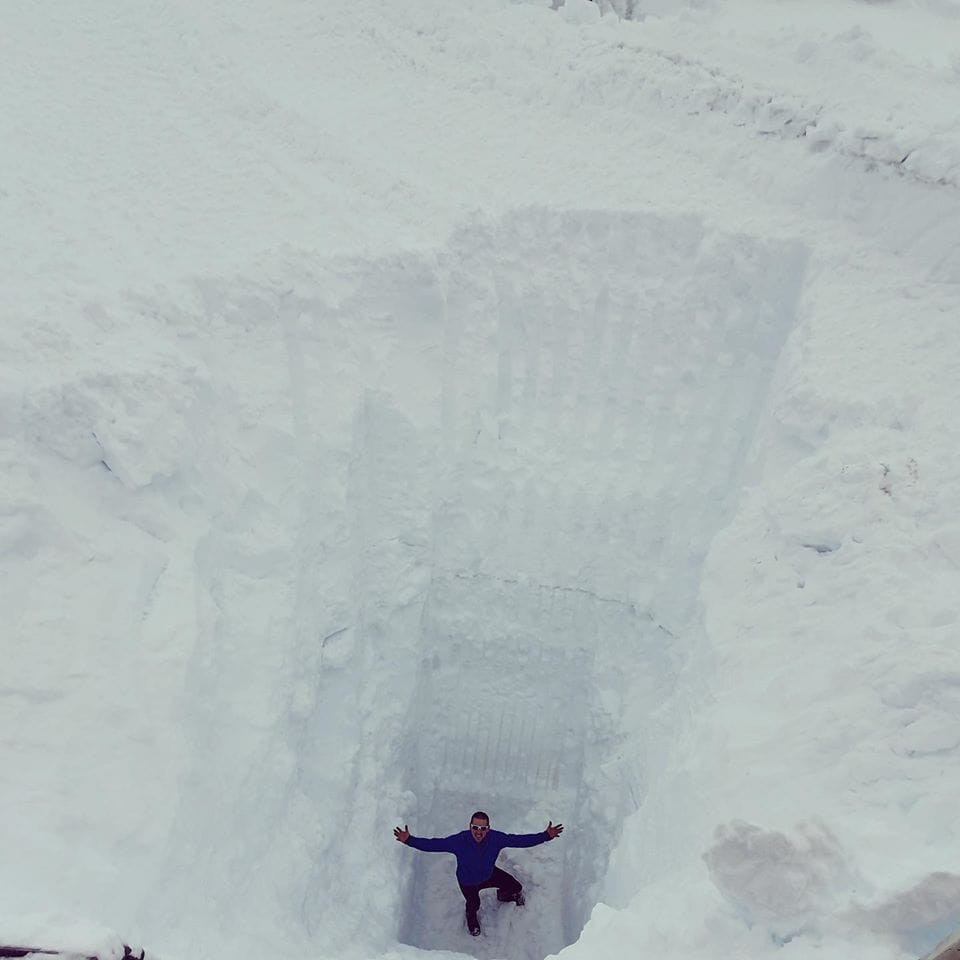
<point x="410" y="409"/>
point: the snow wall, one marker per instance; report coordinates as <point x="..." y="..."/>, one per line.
<point x="410" y="538"/>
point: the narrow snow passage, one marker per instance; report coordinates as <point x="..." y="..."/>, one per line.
<point x="594" y="416"/>
<point x="503" y="700"/>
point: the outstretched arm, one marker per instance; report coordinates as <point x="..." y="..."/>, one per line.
<point x="532" y="839"/>
<point x="427" y="844"/>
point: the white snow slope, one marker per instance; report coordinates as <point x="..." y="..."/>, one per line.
<point x="407" y="409"/>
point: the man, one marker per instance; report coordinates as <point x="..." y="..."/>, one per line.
<point x="476" y="851"/>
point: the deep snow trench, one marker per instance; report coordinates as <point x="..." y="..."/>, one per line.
<point x="444" y="556"/>
<point x="601" y="378"/>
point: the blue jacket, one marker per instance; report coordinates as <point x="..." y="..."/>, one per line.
<point x="475" y="861"/>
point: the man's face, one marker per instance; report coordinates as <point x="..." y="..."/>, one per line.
<point x="478" y="829"/>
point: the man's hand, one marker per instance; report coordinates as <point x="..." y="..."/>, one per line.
<point x="552" y="831"/>
<point x="403" y="834"/>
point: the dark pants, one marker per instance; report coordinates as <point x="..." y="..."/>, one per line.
<point x="507" y="888"/>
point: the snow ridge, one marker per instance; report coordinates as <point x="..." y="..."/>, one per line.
<point x="923" y="152"/>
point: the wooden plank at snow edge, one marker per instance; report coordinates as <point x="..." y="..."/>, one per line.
<point x="9" y="950"/>
<point x="19" y="950"/>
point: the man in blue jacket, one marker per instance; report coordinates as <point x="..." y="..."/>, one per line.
<point x="476" y="851"/>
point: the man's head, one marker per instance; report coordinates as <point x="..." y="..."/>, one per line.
<point x="479" y="825"/>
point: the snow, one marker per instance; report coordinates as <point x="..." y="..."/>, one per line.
<point x="409" y="409"/>
<point x="60" y="933"/>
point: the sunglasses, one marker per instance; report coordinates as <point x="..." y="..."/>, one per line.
<point x="478" y="829"/>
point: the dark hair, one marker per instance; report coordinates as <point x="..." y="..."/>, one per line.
<point x="480" y="815"/>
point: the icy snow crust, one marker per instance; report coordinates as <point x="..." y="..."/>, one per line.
<point x="410" y="409"/>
